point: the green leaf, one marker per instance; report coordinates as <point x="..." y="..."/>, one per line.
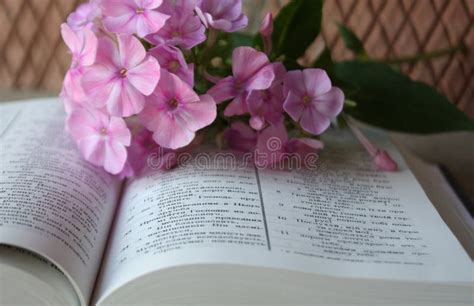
<point x="393" y="101"/>
<point x="324" y="61"/>
<point x="296" y="27"/>
<point x="239" y="39"/>
<point x="351" y="40"/>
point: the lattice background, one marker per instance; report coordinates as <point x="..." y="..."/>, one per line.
<point x="33" y="56"/>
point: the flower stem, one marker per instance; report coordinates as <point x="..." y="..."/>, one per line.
<point x="211" y="38"/>
<point x="425" y="56"/>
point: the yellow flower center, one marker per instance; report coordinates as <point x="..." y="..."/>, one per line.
<point x="140" y="10"/>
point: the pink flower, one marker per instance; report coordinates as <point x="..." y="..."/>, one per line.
<point x="68" y="103"/>
<point x="267" y="105"/>
<point x="145" y="154"/>
<point x="311" y="100"/>
<point x="183" y="29"/>
<point x="72" y="86"/>
<point x="100" y="138"/>
<point x="174" y="112"/>
<point x="172" y="59"/>
<point x="251" y="71"/>
<point x="142" y="150"/>
<point x="133" y="16"/>
<point x="121" y="77"/>
<point x="382" y="160"/>
<point x="274" y="148"/>
<point x="83" y="47"/>
<point x="240" y="137"/>
<point x="225" y="15"/>
<point x="84" y="16"/>
<point x="82" y="44"/>
<point x="266" y="30"/>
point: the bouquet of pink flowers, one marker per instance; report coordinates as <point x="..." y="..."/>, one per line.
<point x="155" y="74"/>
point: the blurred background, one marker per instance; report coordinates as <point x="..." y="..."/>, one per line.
<point x="34" y="59"/>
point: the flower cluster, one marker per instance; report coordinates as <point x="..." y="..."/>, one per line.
<point x="131" y="85"/>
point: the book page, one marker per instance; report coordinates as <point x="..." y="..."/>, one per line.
<point x="342" y="219"/>
<point x="51" y="201"/>
<point x="29" y="270"/>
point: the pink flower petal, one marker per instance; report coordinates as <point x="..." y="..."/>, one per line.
<point x="70" y="38"/>
<point x="115" y="156"/>
<point x="280" y="72"/>
<point x="199" y="114"/>
<point x="119" y="131"/>
<point x="172" y="132"/>
<point x="172" y="59"/>
<point x="224" y="15"/>
<point x="125" y="24"/>
<point x="90" y="47"/>
<point x="239" y="23"/>
<point x="145" y="76"/>
<point x="316" y="82"/>
<point x="150" y="22"/>
<point x="311" y="143"/>
<point x="80" y="124"/>
<point x="236" y="107"/>
<point x="223" y="90"/>
<point x="331" y="103"/>
<point x="117" y="7"/>
<point x="255" y="102"/>
<point x="172" y="87"/>
<point x="270" y="145"/>
<point x="92" y="149"/>
<point x="261" y="80"/>
<point x="107" y="53"/>
<point x="220" y="24"/>
<point x="151" y="114"/>
<point x="314" y="122"/>
<point x="257" y="122"/>
<point x="294" y="81"/>
<point x="128" y="103"/>
<point x="72" y="85"/>
<point x="240" y="137"/>
<point x="201" y="16"/>
<point x="246" y="62"/>
<point x="293" y="106"/>
<point x="149" y="4"/>
<point x="131" y="51"/>
<point x="83" y="45"/>
<point x="97" y="83"/>
<point x="266" y="26"/>
<point x="383" y="161"/>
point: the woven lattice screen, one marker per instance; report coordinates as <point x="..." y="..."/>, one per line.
<point x="32" y="55"/>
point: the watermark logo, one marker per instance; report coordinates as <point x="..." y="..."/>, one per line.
<point x="274" y="157"/>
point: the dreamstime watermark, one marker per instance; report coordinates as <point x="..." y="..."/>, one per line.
<point x="274" y="157"/>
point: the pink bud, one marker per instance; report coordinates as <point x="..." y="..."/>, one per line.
<point x="256" y="123"/>
<point x="381" y="158"/>
<point x="266" y="30"/>
<point x="266" y="27"/>
<point x="384" y="162"/>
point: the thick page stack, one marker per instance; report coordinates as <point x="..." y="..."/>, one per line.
<point x="214" y="230"/>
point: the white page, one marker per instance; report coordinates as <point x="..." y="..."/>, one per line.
<point x="51" y="201"/>
<point x="345" y="219"/>
<point x="29" y="270"/>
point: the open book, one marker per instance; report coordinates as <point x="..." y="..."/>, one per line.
<point x="70" y="234"/>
